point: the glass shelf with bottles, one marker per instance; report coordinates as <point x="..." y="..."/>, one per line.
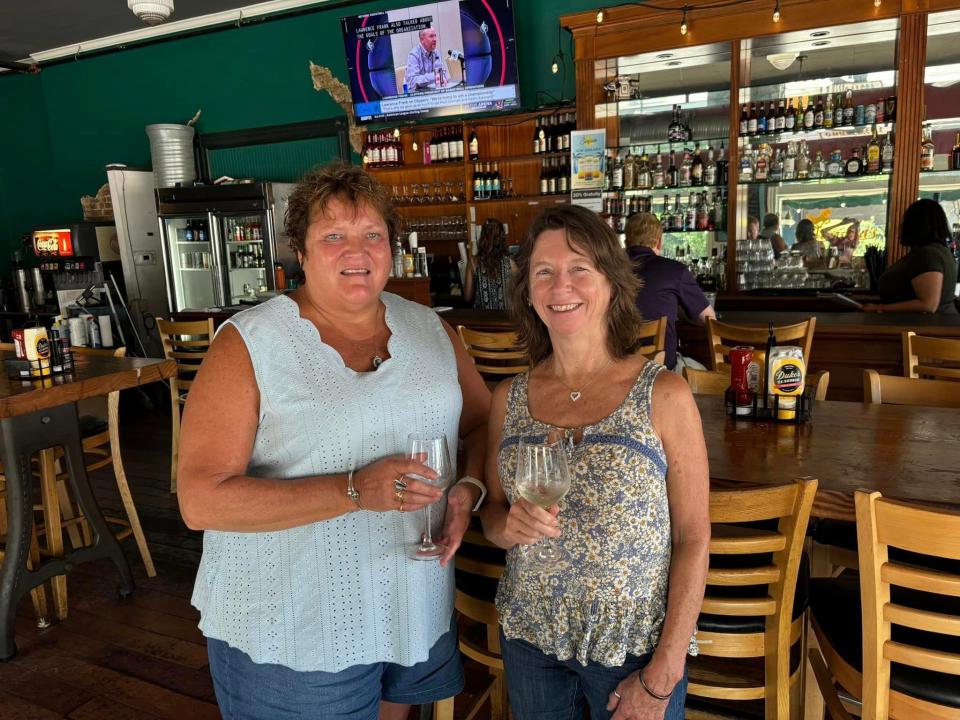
<point x="699" y="212"/>
<point x="688" y="168"/>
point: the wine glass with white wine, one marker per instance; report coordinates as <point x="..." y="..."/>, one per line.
<point x="543" y="478"/>
<point x="432" y="451"/>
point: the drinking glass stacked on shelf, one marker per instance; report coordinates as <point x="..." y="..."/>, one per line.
<point x="441" y="227"/>
<point x="755" y="263"/>
<point x="422" y="193"/>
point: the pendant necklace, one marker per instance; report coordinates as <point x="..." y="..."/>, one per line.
<point x="577" y="393"/>
<point x="362" y="346"/>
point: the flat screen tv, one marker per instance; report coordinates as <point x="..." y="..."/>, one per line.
<point x="451" y="57"/>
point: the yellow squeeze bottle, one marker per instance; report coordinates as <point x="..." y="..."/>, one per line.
<point x="786" y="376"/>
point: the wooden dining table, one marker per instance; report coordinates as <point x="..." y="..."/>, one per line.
<point x="905" y="452"/>
<point x="36" y="415"/>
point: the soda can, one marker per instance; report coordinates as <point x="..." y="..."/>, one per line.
<point x="19" y="348"/>
<point x="740" y="359"/>
<point x="859" y="115"/>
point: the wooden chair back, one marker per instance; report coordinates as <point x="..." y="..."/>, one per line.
<point x="882" y="524"/>
<point x="494" y="353"/>
<point x="895" y="390"/>
<point x="759" y="582"/>
<point x="723" y="337"/>
<point x="186" y="343"/>
<point x="819" y="382"/>
<point x="931" y="358"/>
<point x="653" y="339"/>
<point x="707" y="382"/>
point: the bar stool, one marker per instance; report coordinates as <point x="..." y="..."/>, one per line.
<point x="653" y="339"/>
<point x="495" y="354"/>
<point x="187" y="344"/>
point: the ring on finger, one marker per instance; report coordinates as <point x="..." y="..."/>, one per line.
<point x="618" y="696"/>
<point x="400" y="483"/>
<point x="400" y="493"/>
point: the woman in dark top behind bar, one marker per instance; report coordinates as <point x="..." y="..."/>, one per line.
<point x="666" y="283"/>
<point x="925" y="279"/>
<point x="488" y="272"/>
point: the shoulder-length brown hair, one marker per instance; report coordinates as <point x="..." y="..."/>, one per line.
<point x="587" y="234"/>
<point x="349" y="183"/>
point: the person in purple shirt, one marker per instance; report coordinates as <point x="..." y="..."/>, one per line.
<point x="667" y="284"/>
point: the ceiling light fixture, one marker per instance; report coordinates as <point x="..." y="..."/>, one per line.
<point x="153" y="12"/>
<point x="776" y="12"/>
<point x="683" y="23"/>
<point x="820" y="33"/>
<point x="781" y="61"/>
<point x="664" y="56"/>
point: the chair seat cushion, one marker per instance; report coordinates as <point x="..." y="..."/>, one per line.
<point x="835" y="605"/>
<point x="752" y="624"/>
<point x="843" y="534"/>
<point x="91" y="425"/>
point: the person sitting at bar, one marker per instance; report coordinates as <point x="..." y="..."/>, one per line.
<point x="771" y="232"/>
<point x="924" y="279"/>
<point x="488" y="272"/>
<point x="425" y="68"/>
<point x="609" y="626"/>
<point x="753" y="227"/>
<point x="666" y="285"/>
<point x="294" y="462"/>
<point x="807" y="244"/>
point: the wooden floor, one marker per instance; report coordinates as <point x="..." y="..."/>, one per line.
<point x="140" y="659"/>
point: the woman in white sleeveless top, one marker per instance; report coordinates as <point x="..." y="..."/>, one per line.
<point x="292" y="460"/>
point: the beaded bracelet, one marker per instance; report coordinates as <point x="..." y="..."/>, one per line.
<point x="650" y="692"/>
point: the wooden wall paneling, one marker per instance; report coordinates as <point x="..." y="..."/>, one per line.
<point x="517" y="214"/>
<point x="585" y="79"/>
<point x="905" y="184"/>
<point x="737" y="74"/>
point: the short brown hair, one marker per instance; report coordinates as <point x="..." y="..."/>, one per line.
<point x="643" y="229"/>
<point x="322" y="184"/>
<point x="588" y="234"/>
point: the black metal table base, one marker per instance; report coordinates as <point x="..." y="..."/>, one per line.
<point x="23" y="436"/>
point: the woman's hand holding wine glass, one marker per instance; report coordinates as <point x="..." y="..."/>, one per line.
<point x="377" y="485"/>
<point x="542" y="479"/>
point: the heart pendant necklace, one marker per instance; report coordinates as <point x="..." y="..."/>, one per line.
<point x="575" y="395"/>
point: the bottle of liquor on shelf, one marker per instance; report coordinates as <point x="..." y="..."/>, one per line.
<point x="629" y="172"/>
<point x="709" y="169"/>
<point x="803" y="161"/>
<point x="673" y="174"/>
<point x="955" y="155"/>
<point x="761" y="120"/>
<point x="563" y="177"/>
<point x="617" y="173"/>
<point x="495" y="184"/>
<point x="690" y="215"/>
<point x="776" y="166"/>
<point x="761" y="168"/>
<point x="474" y="146"/>
<point x="644" y="174"/>
<point x="744" y="127"/>
<point x="790" y="118"/>
<point x="751" y="120"/>
<point x="659" y="175"/>
<point x="675" y="128"/>
<point x="873" y="153"/>
<point x="552" y="179"/>
<point x="828" y="112"/>
<point x="798" y="116"/>
<point x="537" y="132"/>
<point x="928" y="150"/>
<point x="722" y="166"/>
<point x="746" y="165"/>
<point x="848" y="110"/>
<point x="696" y="168"/>
<point x="790" y="162"/>
<point x="818" y="114"/>
<point x="838" y="111"/>
<point x="809" y="115"/>
<point x="686" y="170"/>
<point x="854" y="165"/>
<point x="818" y="168"/>
<point x="544" y="180"/>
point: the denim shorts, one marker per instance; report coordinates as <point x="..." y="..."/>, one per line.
<point x="544" y="688"/>
<point x="256" y="691"/>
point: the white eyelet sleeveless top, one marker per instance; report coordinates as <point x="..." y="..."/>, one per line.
<point x="346" y="591"/>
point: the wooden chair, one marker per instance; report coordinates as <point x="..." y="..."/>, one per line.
<point x="931" y="358"/>
<point x="716" y="382"/>
<point x="755" y="602"/>
<point x="892" y="638"/>
<point x="894" y="390"/>
<point x="653" y="339"/>
<point x="494" y="353"/>
<point x="479" y="566"/>
<point x="723" y="337"/>
<point x="186" y="343"/>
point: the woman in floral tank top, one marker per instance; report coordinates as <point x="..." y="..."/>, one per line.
<point x="609" y="625"/>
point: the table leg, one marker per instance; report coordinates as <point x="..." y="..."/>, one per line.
<point x="23" y="436"/>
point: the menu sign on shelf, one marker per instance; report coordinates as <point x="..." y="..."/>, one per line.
<point x="587" y="167"/>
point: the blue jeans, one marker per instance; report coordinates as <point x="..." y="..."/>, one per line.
<point x="544" y="688"/>
<point x="259" y="691"/>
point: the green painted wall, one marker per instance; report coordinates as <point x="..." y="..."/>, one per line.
<point x="60" y="128"/>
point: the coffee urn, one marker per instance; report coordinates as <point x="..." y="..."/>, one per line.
<point x="21" y="283"/>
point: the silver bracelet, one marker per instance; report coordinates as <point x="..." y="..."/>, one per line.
<point x="650" y="692"/>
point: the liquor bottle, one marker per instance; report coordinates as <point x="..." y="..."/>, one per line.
<point x="687" y="130"/>
<point x="809" y="115"/>
<point x="696" y="168"/>
<point x="818" y="114"/>
<point x="675" y="129"/>
<point x="644" y="175"/>
<point x="854" y="166"/>
<point x="828" y="112"/>
<point x="761" y="120"/>
<point x="886" y="153"/>
<point x="927" y="150"/>
<point x="819" y="167"/>
<point x="838" y="111"/>
<point x="444" y="144"/>
<point x="803" y="162"/>
<point x="780" y="124"/>
<point x="955" y="155"/>
<point x="798" y="116"/>
<point x="673" y="175"/>
<point x="457" y="144"/>
<point x="746" y="165"/>
<point x="544" y="181"/>
<point x="790" y="118"/>
<point x="873" y="153"/>
<point x="477" y="182"/>
<point x="659" y="177"/>
<point x="848" y="108"/>
<point x="618" y="173"/>
<point x="630" y="172"/>
<point x="790" y="162"/>
<point x="496" y="185"/>
<point x="743" y="120"/>
<point x="686" y="170"/>
<point x="537" y="130"/>
<point x="690" y="217"/>
<point x="772" y="117"/>
<point x="761" y="170"/>
<point x="563" y="177"/>
<point x="722" y="166"/>
<point x="474" y="146"/>
<point x="552" y="177"/>
<point x="710" y="169"/>
<point x="703" y="212"/>
<point x="751" y="121"/>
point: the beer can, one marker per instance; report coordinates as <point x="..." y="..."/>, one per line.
<point x="858" y="115"/>
<point x="19" y="347"/>
<point x="740" y="359"/>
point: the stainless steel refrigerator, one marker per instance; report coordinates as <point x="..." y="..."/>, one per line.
<point x="221" y="243"/>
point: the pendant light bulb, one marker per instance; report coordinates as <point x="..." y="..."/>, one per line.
<point x="776" y="12"/>
<point x="683" y="23"/>
<point x="876" y="3"/>
<point x="599" y="16"/>
<point x="396" y="132"/>
<point x="414" y="146"/>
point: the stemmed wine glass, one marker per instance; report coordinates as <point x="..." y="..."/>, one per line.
<point x="431" y="450"/>
<point x="543" y="478"/>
